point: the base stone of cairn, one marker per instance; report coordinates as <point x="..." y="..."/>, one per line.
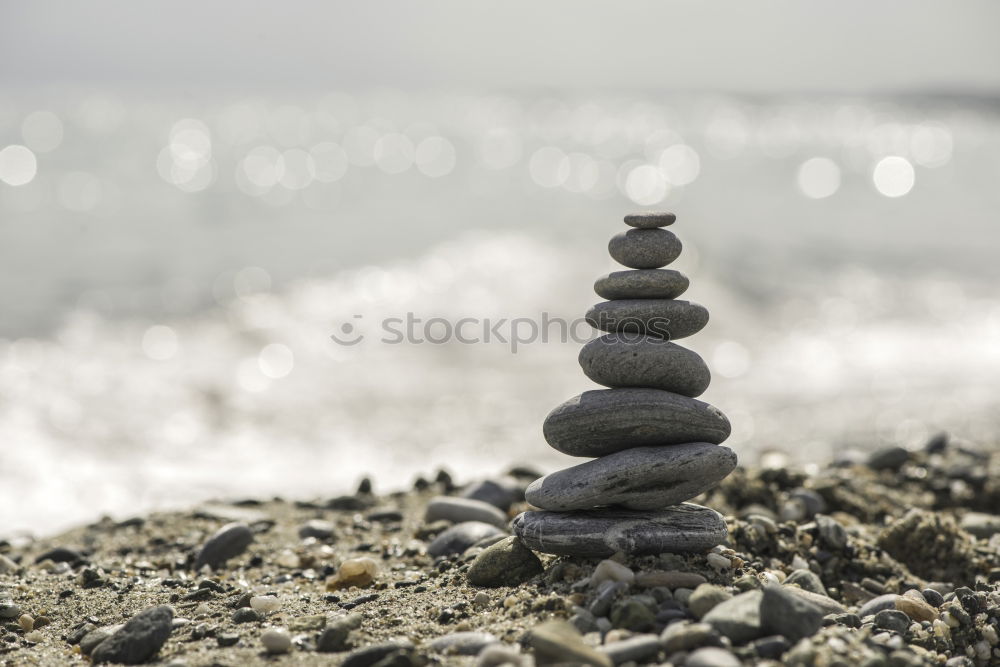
<point x="656" y="445"/>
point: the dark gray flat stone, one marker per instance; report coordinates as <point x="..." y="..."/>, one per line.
<point x="139" y="639"/>
<point x="650" y="219"/>
<point x="638" y="360"/>
<point x="461" y="536"/>
<point x="228" y="542"/>
<point x="458" y="510"/>
<point x="667" y="318"/>
<point x="642" y="478"/>
<point x="598" y="534"/>
<point x="644" y="248"/>
<point x="642" y="284"/>
<point x="603" y="421"/>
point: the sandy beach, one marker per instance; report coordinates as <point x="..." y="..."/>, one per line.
<point x="897" y="550"/>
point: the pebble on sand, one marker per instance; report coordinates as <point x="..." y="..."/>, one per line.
<point x="276" y="640"/>
<point x="228" y="542"/>
<point x="353" y="572"/>
<point x="139" y="639"/>
<point x="559" y="642"/>
<point x="506" y="563"/>
<point x="458" y="510"/>
<point x="461" y="536"/>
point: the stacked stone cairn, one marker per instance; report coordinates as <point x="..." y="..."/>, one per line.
<point x="654" y="445"/>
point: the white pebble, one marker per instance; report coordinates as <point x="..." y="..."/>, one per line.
<point x="276" y="640"/>
<point x="289" y="559"/>
<point x="265" y="604"/>
<point x="35" y="637"/>
<point x="609" y="570"/>
<point x="990" y="634"/>
<point x="768" y="578"/>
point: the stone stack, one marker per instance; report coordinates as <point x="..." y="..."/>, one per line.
<point x="655" y="444"/>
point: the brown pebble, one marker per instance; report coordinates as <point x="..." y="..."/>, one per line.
<point x="916" y="609"/>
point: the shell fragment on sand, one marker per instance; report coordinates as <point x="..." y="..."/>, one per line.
<point x="598" y="534"/>
<point x="603" y="421"/>
<point x="643" y="478"/>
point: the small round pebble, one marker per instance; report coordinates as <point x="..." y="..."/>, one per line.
<point x="276" y="640"/>
<point x="650" y="219"/>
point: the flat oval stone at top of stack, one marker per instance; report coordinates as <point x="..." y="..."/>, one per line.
<point x="650" y="219"/>
<point x="642" y="284"/>
<point x="601" y="533"/>
<point x="644" y="248"/>
<point x="604" y="421"/>
<point x="641" y="478"/>
<point x="638" y="360"/>
<point x="667" y="318"/>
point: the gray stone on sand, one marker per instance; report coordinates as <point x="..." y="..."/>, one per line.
<point x="638" y="360"/>
<point x="650" y="219"/>
<point x="641" y="478"/>
<point x="9" y="609"/>
<point x="507" y="563"/>
<point x="807" y="580"/>
<point x="644" y="248"/>
<point x="892" y="619"/>
<point x="370" y="655"/>
<point x="501" y="494"/>
<point x="603" y="421"/>
<point x="877" y="604"/>
<point x="639" y="648"/>
<point x="707" y="597"/>
<point x="317" y="528"/>
<point x="462" y="643"/>
<point x="738" y="618"/>
<point x="827" y="604"/>
<point x="642" y="284"/>
<point x="228" y="542"/>
<point x="139" y="639"/>
<point x="557" y="641"/>
<point x="789" y="615"/>
<point x="458" y="510"/>
<point x="460" y="537"/>
<point x="670" y="319"/>
<point x="685" y="635"/>
<point x="712" y="656"/>
<point x="598" y="534"/>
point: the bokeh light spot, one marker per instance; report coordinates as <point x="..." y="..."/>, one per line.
<point x="893" y="176"/>
<point x="18" y="165"/>
<point x="819" y="177"/>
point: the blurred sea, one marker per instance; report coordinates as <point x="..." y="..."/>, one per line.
<point x="172" y="271"/>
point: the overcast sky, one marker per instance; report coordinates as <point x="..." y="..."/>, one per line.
<point x="732" y="45"/>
